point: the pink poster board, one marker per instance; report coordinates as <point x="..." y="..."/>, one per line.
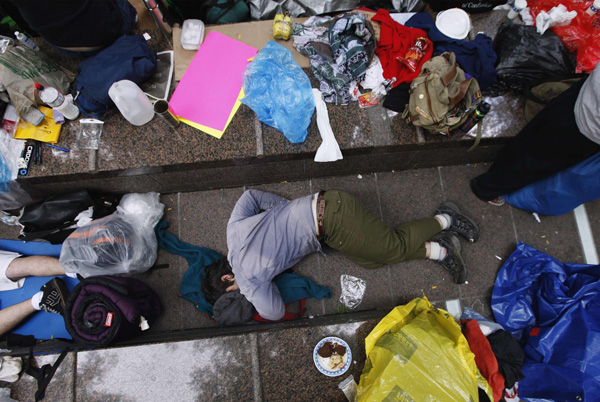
<point x="211" y="84"/>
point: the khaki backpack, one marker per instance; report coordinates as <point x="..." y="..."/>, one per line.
<point x="441" y="98"/>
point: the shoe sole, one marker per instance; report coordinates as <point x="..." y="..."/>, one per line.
<point x="453" y="239"/>
<point x="497" y="203"/>
<point x="455" y="208"/>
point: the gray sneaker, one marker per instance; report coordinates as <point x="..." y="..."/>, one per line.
<point x="453" y="261"/>
<point x="461" y="224"/>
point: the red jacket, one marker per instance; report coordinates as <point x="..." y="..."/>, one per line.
<point x="395" y="40"/>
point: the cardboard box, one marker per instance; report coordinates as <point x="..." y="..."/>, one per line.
<point x="254" y="33"/>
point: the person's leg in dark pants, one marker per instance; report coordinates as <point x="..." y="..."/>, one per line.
<point x="366" y="240"/>
<point x="551" y="142"/>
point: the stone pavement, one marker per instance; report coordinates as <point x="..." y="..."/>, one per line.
<point x="274" y="362"/>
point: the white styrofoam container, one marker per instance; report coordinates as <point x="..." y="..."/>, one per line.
<point x="192" y="34"/>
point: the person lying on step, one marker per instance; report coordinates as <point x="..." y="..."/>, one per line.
<point x="268" y="234"/>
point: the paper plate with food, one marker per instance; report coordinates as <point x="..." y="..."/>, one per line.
<point x="332" y="356"/>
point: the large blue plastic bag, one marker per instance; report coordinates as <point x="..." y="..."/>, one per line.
<point x="561" y="192"/>
<point x="279" y="92"/>
<point x="553" y="309"/>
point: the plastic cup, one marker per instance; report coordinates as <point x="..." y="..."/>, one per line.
<point x="594" y="8"/>
<point x="516" y="8"/>
<point x="162" y="109"/>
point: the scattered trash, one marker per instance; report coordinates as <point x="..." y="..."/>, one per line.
<point x="349" y="388"/>
<point x="499" y="258"/>
<point x="359" y="176"/>
<point x="536" y="216"/>
<point x="434" y="287"/>
<point x="353" y="290"/>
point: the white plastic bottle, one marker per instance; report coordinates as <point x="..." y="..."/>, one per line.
<point x="57" y="101"/>
<point x="25" y="41"/>
<point x="133" y="104"/>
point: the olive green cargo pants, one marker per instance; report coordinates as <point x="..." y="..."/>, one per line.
<point x="365" y="239"/>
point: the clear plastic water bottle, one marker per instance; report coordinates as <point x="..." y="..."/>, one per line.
<point x="57" y="101"/>
<point x="25" y="41"/>
<point x="482" y="109"/>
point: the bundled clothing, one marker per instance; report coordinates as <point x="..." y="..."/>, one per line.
<point x="339" y="51"/>
<point x="484" y="357"/>
<point x="565" y="133"/>
<point x="477" y="57"/>
<point x="395" y="41"/>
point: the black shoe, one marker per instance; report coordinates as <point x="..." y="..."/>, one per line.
<point x="55" y="293"/>
<point x="453" y="261"/>
<point x="461" y="224"/>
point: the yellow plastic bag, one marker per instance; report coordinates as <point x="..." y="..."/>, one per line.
<point x="282" y="25"/>
<point x="418" y="353"/>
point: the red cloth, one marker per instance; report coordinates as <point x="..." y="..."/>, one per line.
<point x="484" y="357"/>
<point x="581" y="35"/>
<point x="395" y="40"/>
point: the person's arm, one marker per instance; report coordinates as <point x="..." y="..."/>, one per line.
<point x="268" y="302"/>
<point x="252" y="202"/>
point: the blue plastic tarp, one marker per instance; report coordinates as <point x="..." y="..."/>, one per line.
<point x="553" y="309"/>
<point x="561" y="192"/>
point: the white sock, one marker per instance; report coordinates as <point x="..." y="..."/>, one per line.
<point x="437" y="252"/>
<point x="36" y="299"/>
<point x="445" y="219"/>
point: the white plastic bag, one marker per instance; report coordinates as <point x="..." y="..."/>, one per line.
<point x="10" y="367"/>
<point x="556" y="17"/>
<point x="121" y="243"/>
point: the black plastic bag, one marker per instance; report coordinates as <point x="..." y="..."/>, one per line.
<point x="525" y="56"/>
<point x="52" y="219"/>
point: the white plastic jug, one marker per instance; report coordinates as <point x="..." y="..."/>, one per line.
<point x="133" y="104"/>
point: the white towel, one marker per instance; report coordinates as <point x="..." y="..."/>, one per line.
<point x="329" y="151"/>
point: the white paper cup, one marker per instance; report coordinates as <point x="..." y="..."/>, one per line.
<point x="594" y="8"/>
<point x="516" y="8"/>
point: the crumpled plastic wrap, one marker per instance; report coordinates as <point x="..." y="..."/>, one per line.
<point x="556" y="17"/>
<point x="353" y="290"/>
<point x="266" y="9"/>
<point x="123" y="242"/>
<point x="279" y="92"/>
